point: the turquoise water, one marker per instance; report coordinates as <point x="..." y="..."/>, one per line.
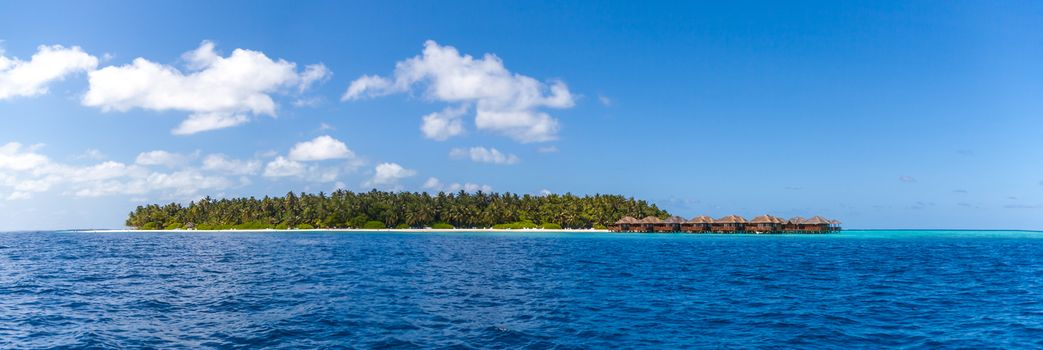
<point x="856" y="289"/>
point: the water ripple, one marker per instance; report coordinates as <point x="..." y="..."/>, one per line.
<point x="532" y="290"/>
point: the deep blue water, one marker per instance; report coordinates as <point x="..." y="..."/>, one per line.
<point x="867" y="289"/>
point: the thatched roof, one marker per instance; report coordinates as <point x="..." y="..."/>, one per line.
<point x="626" y="220"/>
<point x="650" y="220"/>
<point x="816" y="220"/>
<point x="796" y="220"/>
<point x="778" y="220"/>
<point x="701" y="219"/>
<point x="764" y="219"/>
<point x="731" y="219"/>
<point x="674" y="220"/>
<point x="834" y="222"/>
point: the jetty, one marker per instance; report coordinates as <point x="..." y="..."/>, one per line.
<point x="726" y="224"/>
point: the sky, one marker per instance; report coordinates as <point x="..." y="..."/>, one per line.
<point x="880" y="114"/>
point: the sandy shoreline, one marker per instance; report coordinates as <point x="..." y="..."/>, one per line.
<point x="359" y="230"/>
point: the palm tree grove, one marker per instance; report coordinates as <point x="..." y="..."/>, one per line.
<point x="380" y="209"/>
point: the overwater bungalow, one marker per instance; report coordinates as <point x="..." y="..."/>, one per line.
<point x="794" y="224"/>
<point x="623" y="225"/>
<point x="647" y="224"/>
<point x="698" y="224"/>
<point x="671" y="224"/>
<point x="729" y="224"/>
<point x="816" y="224"/>
<point x="764" y="224"/>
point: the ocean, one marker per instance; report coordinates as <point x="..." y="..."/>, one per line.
<point x="854" y="289"/>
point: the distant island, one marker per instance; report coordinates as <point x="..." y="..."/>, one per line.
<point x="403" y="210"/>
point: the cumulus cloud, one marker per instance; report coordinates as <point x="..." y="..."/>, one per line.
<point x="25" y="171"/>
<point x="435" y="185"/>
<point x="442" y="125"/>
<point x="179" y="184"/>
<point x="282" y="167"/>
<point x="504" y="102"/>
<point x="387" y="175"/>
<point x="313" y="73"/>
<point x="161" y="158"/>
<point x="321" y="148"/>
<point x="14" y="156"/>
<point x="907" y="179"/>
<point x="50" y="63"/>
<point x="300" y="161"/>
<point x="218" y="92"/>
<point x="484" y="155"/>
<point x="200" y="122"/>
<point x="223" y="164"/>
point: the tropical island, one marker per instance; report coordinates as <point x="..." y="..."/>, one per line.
<point x="403" y="210"/>
<point x="377" y="210"/>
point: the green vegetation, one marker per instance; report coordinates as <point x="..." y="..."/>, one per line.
<point x="374" y="225"/>
<point x="377" y="210"/>
<point x="517" y="225"/>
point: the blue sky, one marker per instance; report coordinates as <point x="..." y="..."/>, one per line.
<point x="880" y="114"/>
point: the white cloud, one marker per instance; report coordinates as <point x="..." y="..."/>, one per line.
<point x="219" y="92"/>
<point x="443" y="125"/>
<point x="103" y="171"/>
<point x="18" y="195"/>
<point x="223" y="164"/>
<point x="282" y="167"/>
<point x="369" y="85"/>
<point x="200" y="122"/>
<point x="50" y="63"/>
<point x="25" y="172"/>
<point x="505" y="102"/>
<point x="387" y="175"/>
<point x="435" y="185"/>
<point x="484" y="155"/>
<point x="321" y="148"/>
<point x="162" y="158"/>
<point x="605" y="101"/>
<point x="179" y="184"/>
<point x="313" y="73"/>
<point x="12" y="157"/>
